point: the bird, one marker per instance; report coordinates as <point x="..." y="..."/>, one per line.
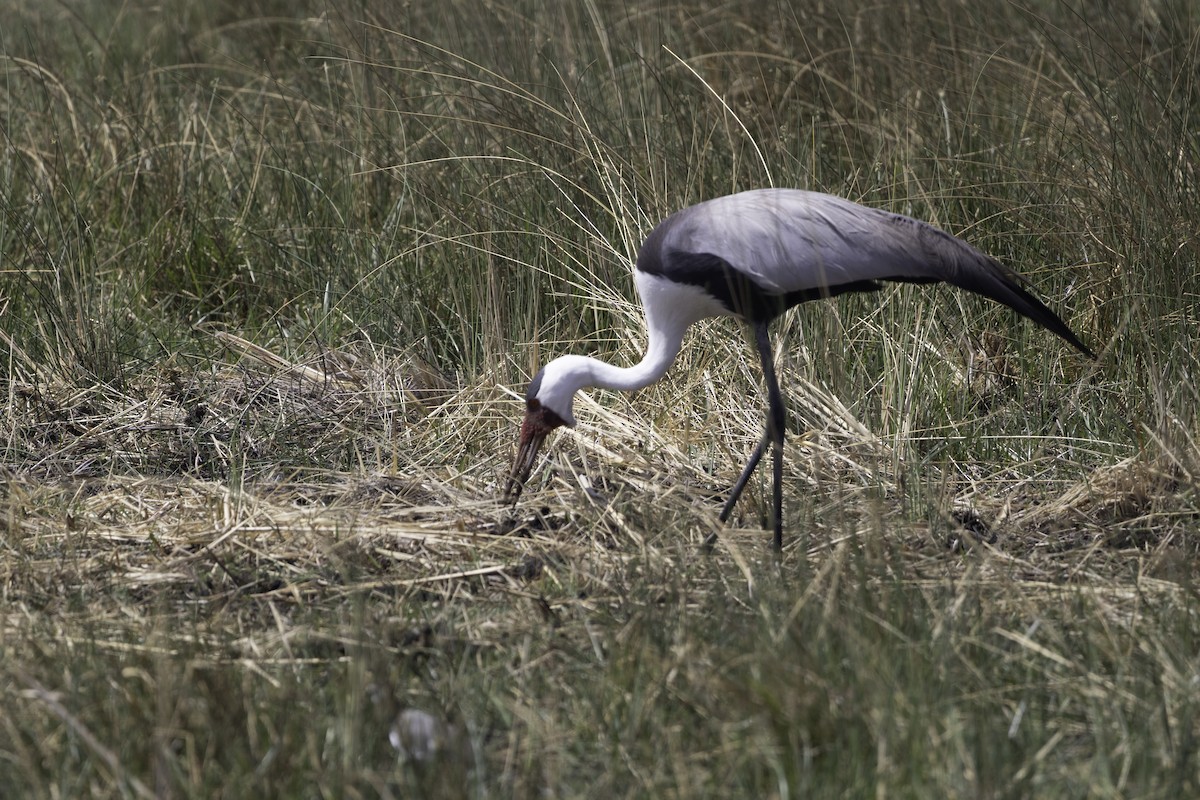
<point x="753" y="255"/>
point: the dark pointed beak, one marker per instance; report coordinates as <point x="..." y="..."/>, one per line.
<point x="539" y="421"/>
<point x="531" y="442"/>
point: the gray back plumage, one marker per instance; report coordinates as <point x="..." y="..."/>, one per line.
<point x="785" y="246"/>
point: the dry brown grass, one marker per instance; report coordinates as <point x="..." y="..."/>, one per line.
<point x="148" y="532"/>
<point x="173" y="480"/>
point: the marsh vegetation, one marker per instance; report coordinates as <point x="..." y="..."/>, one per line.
<point x="272" y="279"/>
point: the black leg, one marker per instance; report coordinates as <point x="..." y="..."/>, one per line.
<point x="776" y="417"/>
<point x="747" y="471"/>
<point x="736" y="492"/>
<point x="777" y="540"/>
<point x="773" y="434"/>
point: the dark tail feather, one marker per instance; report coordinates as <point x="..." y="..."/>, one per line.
<point x="993" y="280"/>
<point x="966" y="267"/>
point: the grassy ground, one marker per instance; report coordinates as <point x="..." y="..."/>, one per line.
<point x="274" y="276"/>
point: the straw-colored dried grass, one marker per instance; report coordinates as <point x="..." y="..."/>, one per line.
<point x="170" y="481"/>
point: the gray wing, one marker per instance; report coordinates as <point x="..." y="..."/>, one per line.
<point x="789" y="240"/>
<point x="792" y="242"/>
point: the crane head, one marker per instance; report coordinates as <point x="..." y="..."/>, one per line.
<point x="539" y="421"/>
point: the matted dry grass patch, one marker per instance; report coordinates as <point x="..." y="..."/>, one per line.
<point x="171" y="480"/>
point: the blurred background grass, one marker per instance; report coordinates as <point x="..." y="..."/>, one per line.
<point x="271" y="269"/>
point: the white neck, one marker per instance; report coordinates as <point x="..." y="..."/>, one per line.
<point x="670" y="309"/>
<point x="661" y="349"/>
<point x="565" y="376"/>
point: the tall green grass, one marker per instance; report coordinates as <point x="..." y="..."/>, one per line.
<point x="226" y="570"/>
